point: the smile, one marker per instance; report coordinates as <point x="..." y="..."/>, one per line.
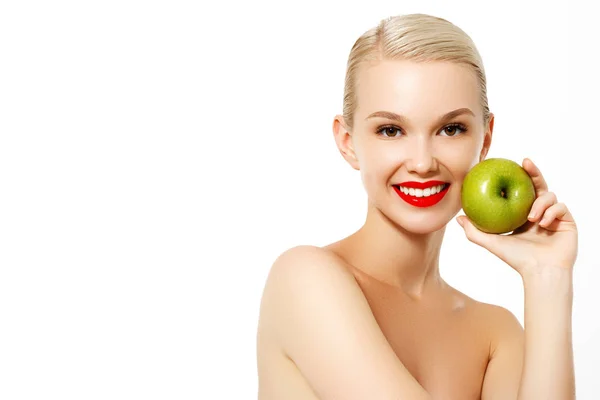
<point x="422" y="197"/>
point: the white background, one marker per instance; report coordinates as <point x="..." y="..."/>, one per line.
<point x="157" y="156"/>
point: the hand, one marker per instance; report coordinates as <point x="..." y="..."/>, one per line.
<point x="548" y="239"/>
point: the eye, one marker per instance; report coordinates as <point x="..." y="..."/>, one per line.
<point x="388" y="129"/>
<point x="453" y="129"/>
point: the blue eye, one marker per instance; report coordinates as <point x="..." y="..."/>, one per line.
<point x="386" y="130"/>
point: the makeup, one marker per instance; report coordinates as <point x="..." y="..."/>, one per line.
<point x="418" y="194"/>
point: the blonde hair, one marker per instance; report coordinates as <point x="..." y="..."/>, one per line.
<point x="413" y="37"/>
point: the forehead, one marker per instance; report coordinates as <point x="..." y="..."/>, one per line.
<point x="423" y="90"/>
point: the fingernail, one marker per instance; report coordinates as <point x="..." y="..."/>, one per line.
<point x="531" y="215"/>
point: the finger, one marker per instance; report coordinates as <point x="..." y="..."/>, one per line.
<point x="540" y="205"/>
<point x="557" y="213"/>
<point x="534" y="172"/>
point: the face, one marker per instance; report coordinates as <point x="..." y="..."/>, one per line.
<point x="419" y="146"/>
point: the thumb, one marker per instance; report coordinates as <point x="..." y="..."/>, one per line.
<point x="474" y="234"/>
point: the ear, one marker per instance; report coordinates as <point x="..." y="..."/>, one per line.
<point x="487" y="138"/>
<point x="343" y="141"/>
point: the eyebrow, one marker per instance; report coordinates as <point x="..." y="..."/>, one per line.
<point x="404" y="120"/>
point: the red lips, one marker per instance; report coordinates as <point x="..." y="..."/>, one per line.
<point x="422" y="201"/>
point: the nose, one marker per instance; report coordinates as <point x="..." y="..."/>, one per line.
<point x="422" y="161"/>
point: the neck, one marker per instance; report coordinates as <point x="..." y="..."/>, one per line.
<point x="395" y="256"/>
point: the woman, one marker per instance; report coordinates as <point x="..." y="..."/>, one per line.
<point x="369" y="316"/>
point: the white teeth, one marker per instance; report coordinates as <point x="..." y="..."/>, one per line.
<point x="422" y="192"/>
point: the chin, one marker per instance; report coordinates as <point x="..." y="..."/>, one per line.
<point x="420" y="229"/>
<point x="420" y="224"/>
<point x="423" y="220"/>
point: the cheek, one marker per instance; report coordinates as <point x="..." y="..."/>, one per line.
<point x="460" y="159"/>
<point x="376" y="170"/>
<point x="379" y="165"/>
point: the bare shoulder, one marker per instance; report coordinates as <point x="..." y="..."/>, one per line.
<point x="501" y="324"/>
<point x="296" y="273"/>
<point x="320" y="318"/>
<point x="498" y="322"/>
<point x="498" y="317"/>
<point x="309" y="259"/>
<point x="304" y="262"/>
<point x="491" y="313"/>
<point x="305" y="267"/>
<point x="505" y="327"/>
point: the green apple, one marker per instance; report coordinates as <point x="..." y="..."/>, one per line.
<point x="497" y="195"/>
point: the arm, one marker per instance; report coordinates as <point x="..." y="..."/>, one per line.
<point x="325" y="326"/>
<point x="543" y="251"/>
<point x="539" y="363"/>
<point x="548" y="371"/>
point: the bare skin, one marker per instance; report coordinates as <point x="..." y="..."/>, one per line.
<point x="369" y="316"/>
<point x="443" y="338"/>
<point x="445" y="341"/>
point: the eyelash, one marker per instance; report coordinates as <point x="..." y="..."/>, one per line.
<point x="461" y="127"/>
